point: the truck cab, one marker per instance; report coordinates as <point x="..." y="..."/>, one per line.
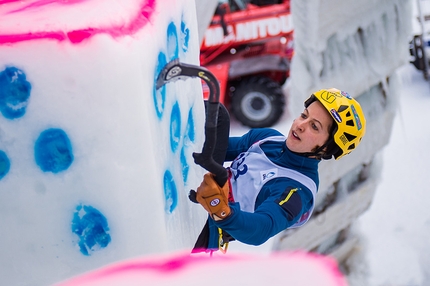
<point x="248" y="47"/>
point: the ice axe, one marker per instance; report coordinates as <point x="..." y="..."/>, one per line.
<point x="175" y="70"/>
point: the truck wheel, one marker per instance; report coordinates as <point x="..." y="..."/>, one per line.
<point x="257" y="102"/>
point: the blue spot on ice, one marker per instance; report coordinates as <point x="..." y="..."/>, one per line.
<point x="190" y="132"/>
<point x="92" y="228"/>
<point x="185" y="36"/>
<point x="53" y="151"/>
<point x="170" y="192"/>
<point x="175" y="127"/>
<point x="14" y="93"/>
<point x="160" y="94"/>
<point x="172" y="41"/>
<point x="4" y="164"/>
<point x="184" y="165"/>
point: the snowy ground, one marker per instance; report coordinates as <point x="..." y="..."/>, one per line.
<point x="396" y="228"/>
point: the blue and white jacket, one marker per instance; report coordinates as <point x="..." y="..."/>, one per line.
<point x="274" y="192"/>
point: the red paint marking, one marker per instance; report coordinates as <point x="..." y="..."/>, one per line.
<point x="77" y="36"/>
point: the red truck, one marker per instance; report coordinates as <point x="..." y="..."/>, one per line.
<point x="248" y="47"/>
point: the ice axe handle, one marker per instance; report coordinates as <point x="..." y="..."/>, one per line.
<point x="205" y="159"/>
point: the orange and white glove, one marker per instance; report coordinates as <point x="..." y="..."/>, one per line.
<point x="214" y="198"/>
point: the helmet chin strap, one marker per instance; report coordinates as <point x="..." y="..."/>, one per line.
<point x="319" y="153"/>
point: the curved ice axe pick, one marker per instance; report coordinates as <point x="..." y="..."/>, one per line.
<point x="175" y="70"/>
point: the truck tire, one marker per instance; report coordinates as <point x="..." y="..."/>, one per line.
<point x="257" y="102"/>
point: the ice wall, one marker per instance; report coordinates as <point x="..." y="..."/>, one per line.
<point x="422" y="6"/>
<point x="355" y="46"/>
<point x="205" y="10"/>
<point x="95" y="163"/>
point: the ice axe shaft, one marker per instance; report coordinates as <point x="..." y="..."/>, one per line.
<point x="175" y="70"/>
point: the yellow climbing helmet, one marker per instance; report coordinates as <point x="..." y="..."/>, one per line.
<point x="350" y="125"/>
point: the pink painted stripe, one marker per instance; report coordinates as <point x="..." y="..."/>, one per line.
<point x="8" y="1"/>
<point x="76" y="36"/>
<point x="43" y="3"/>
<point x="186" y="269"/>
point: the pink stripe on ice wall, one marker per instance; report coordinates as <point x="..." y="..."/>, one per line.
<point x="134" y="24"/>
<point x="284" y="268"/>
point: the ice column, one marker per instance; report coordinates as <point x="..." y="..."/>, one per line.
<point x="95" y="163"/>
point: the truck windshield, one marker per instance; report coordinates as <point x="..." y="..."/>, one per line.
<point x="235" y="5"/>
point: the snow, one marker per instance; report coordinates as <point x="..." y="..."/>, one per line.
<point x="396" y="228"/>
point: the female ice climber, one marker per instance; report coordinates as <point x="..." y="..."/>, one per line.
<point x="273" y="179"/>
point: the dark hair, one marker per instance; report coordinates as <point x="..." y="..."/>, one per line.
<point x="331" y="146"/>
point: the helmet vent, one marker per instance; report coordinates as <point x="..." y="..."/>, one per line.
<point x="350" y="137"/>
<point x="350" y="123"/>
<point x="352" y="146"/>
<point x="348" y="114"/>
<point x="342" y="108"/>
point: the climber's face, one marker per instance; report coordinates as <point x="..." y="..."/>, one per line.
<point x="310" y="130"/>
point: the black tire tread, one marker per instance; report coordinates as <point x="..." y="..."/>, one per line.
<point x="266" y="86"/>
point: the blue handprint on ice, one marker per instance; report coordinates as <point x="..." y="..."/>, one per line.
<point x="175" y="127"/>
<point x="159" y="95"/>
<point x="14" y="93"/>
<point x="92" y="228"/>
<point x="53" y="151"/>
<point x="172" y="42"/>
<point x="4" y="164"/>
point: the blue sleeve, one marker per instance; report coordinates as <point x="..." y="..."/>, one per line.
<point x="237" y="145"/>
<point x="269" y="218"/>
